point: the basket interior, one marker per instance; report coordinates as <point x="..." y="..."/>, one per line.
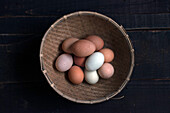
<point x="80" y="26"/>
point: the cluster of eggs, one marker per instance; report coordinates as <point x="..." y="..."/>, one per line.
<point x="87" y="54"/>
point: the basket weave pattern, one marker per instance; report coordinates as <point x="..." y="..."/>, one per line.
<point x="80" y="25"/>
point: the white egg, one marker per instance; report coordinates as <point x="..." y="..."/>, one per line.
<point x="94" y="61"/>
<point x="91" y="77"/>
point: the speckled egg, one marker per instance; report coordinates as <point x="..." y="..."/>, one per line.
<point x="99" y="43"/>
<point x="106" y="71"/>
<point x="94" y="61"/>
<point x="76" y="75"/>
<point x="83" y="48"/>
<point x="64" y="62"/>
<point x="67" y="44"/>
<point x="108" y="54"/>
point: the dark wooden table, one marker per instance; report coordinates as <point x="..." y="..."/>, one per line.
<point x="24" y="89"/>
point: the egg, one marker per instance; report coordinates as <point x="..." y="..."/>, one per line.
<point x="80" y="61"/>
<point x="106" y="71"/>
<point x="108" y="54"/>
<point x="64" y="62"/>
<point x="76" y="75"/>
<point x="91" y="77"/>
<point x="67" y="44"/>
<point x="99" y="43"/>
<point x="83" y="48"/>
<point x="94" y="61"/>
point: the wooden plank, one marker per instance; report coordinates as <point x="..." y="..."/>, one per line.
<point x="19" y="56"/>
<point x="23" y="87"/>
<point x="39" y="24"/>
<point x="143" y="21"/>
<point x="151" y="54"/>
<point x="53" y="7"/>
<point x="24" y="25"/>
<point x="23" y="7"/>
<point x="40" y="97"/>
<point x="149" y="6"/>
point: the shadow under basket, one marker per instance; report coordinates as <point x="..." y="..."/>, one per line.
<point x="80" y="25"/>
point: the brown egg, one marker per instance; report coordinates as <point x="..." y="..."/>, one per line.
<point x="80" y="61"/>
<point x="108" y="54"/>
<point x="83" y="48"/>
<point x="76" y="75"/>
<point x="67" y="44"/>
<point x="99" y="43"/>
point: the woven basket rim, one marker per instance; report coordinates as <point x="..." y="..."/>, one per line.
<point x="126" y="36"/>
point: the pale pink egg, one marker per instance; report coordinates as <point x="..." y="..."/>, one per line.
<point x="106" y="71"/>
<point x="64" y="62"/>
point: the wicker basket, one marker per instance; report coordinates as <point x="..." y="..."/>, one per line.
<point x="79" y="25"/>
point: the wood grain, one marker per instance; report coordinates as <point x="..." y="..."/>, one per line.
<point x="40" y="97"/>
<point x="19" y="58"/>
<point x="151" y="56"/>
<point x="23" y="23"/>
<point x="53" y="7"/>
<point x="39" y="24"/>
